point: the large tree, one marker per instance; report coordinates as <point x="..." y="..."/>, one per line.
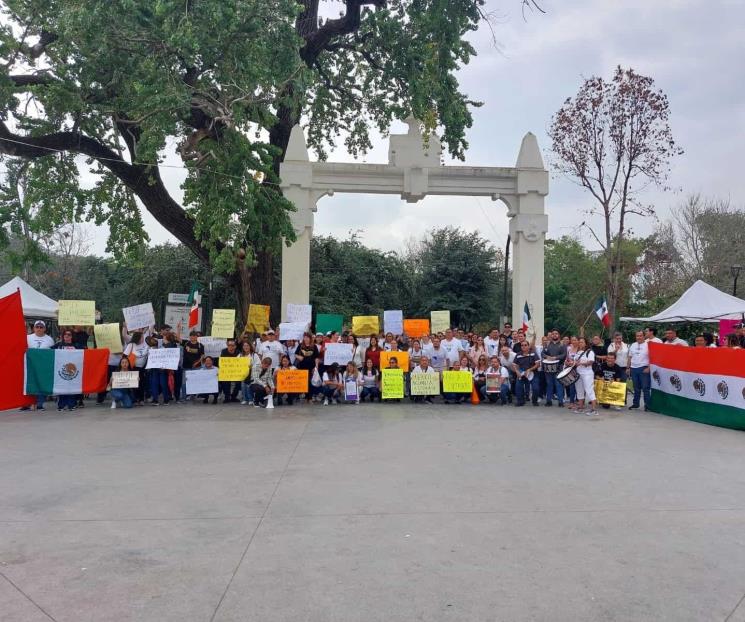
<point x="215" y="87"/>
<point x="614" y="139"/>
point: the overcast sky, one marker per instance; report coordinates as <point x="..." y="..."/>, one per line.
<point x="694" y="50"/>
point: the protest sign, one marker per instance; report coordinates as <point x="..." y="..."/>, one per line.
<point x="223" y="323"/>
<point x="457" y="381"/>
<point x="234" y="368"/>
<point x="402" y="358"/>
<point x="393" y="322"/>
<point x="292" y="381"/>
<point x="351" y="391"/>
<point x="125" y="380"/>
<point x="340" y="353"/>
<point x="425" y="384"/>
<point x="201" y="381"/>
<point x="175" y="315"/>
<point x="292" y="330"/>
<point x="77" y="313"/>
<point x="258" y="318"/>
<point x="392" y="384"/>
<point x="416" y="328"/>
<point x="613" y="393"/>
<point x="139" y="316"/>
<point x="364" y="325"/>
<point x="107" y="336"/>
<point x="299" y="314"/>
<point x="327" y="322"/>
<point x="440" y="321"/>
<point x="213" y="346"/>
<point x="163" y="358"/>
<point x="725" y="328"/>
<point x="493" y="383"/>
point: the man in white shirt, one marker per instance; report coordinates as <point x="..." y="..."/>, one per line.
<point x="438" y="356"/>
<point x="671" y="338"/>
<point x="423" y="368"/>
<point x="426" y="344"/>
<point x="651" y="335"/>
<point x="639" y="370"/>
<point x="452" y="346"/>
<point x="272" y="348"/>
<point x="39" y="340"/>
<point x="504" y="382"/>
<point x="491" y="343"/>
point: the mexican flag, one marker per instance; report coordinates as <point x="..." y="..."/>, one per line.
<point x="601" y="310"/>
<point x="194" y="300"/>
<point x="526" y="317"/>
<point x="701" y="384"/>
<point x="66" y="372"/>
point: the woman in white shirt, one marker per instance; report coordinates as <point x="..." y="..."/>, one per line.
<point x="583" y="359"/>
<point x="621" y="351"/>
<point x="352" y="379"/>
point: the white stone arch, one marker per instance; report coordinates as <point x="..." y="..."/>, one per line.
<point x="413" y="172"/>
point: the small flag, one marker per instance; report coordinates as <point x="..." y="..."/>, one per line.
<point x="526" y="317"/>
<point x="66" y="372"/>
<point x="194" y="300"/>
<point x="601" y="310"/>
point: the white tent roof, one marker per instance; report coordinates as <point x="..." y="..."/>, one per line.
<point x="35" y="304"/>
<point x="701" y="302"/>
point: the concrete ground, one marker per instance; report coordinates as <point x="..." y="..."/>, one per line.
<point x="393" y="512"/>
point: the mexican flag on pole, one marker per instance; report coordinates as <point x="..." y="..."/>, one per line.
<point x="526" y="317"/>
<point x="601" y="310"/>
<point x="701" y="384"/>
<point x="66" y="372"/>
<point x="194" y="300"/>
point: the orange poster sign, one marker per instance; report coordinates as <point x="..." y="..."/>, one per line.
<point x="292" y="381"/>
<point x="416" y="328"/>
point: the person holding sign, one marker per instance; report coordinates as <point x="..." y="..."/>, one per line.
<point x="305" y="358"/>
<point x="229" y="389"/>
<point x="611" y="372"/>
<point x="284" y="364"/>
<point x="424" y="368"/>
<point x="352" y="383"/>
<point x="208" y="363"/>
<point x="67" y="402"/>
<point x="497" y="382"/>
<point x="333" y="385"/>
<point x="125" y="396"/>
<point x="136" y="351"/>
<point x="370" y="382"/>
<point x="452" y="397"/>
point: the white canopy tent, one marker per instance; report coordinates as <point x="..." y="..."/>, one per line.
<point x="35" y="304"/>
<point x="701" y="302"/>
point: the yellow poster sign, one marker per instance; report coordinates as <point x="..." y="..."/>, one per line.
<point x="365" y="325"/>
<point x="613" y="393"/>
<point x="258" y="318"/>
<point x="425" y="384"/>
<point x="402" y="358"/>
<point x="223" y="323"/>
<point x="440" y="321"/>
<point x="233" y="368"/>
<point x="392" y="384"/>
<point x="77" y="313"/>
<point x="292" y="381"/>
<point x="107" y="336"/>
<point x="457" y="382"/>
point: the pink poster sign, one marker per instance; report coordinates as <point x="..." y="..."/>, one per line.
<point x="725" y="328"/>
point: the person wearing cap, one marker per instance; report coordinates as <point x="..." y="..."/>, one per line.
<point x="272" y="348"/>
<point x="40" y="340"/>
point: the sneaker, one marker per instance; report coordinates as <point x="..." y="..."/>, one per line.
<point x="243" y="402"/>
<point x="632" y="407"/>
<point x="113" y="404"/>
<point x="40" y="408"/>
<point x="154" y="403"/>
<point x="591" y="413"/>
<point x="59" y="410"/>
<point x="548" y="404"/>
<point x="325" y="401"/>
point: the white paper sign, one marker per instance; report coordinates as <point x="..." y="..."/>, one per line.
<point x="393" y="322"/>
<point x="292" y="330"/>
<point x="163" y="358"/>
<point x="176" y="314"/>
<point x="213" y="346"/>
<point x="201" y="381"/>
<point x="299" y="314"/>
<point x="139" y="316"/>
<point x="340" y="353"/>
<point x="125" y="380"/>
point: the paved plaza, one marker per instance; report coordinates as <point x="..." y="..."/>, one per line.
<point x="393" y="512"/>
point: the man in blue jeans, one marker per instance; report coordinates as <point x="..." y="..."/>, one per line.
<point x="525" y="365"/>
<point x="639" y="370"/>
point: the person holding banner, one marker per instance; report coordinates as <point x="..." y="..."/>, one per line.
<point x="305" y="358"/>
<point x="497" y="377"/>
<point x="352" y="379"/>
<point x="67" y="402"/>
<point x="262" y="382"/>
<point x="370" y="382"/>
<point x="39" y="339"/>
<point x="208" y="363"/>
<point x="227" y="388"/>
<point x="423" y="368"/>
<point x="333" y="386"/>
<point x="454" y="398"/>
<point x="609" y="371"/>
<point x="125" y="396"/>
<point x="284" y="364"/>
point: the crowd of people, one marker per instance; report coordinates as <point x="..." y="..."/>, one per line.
<point x="527" y="371"/>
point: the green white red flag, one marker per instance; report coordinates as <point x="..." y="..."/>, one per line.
<point x="66" y="372"/>
<point x="194" y="301"/>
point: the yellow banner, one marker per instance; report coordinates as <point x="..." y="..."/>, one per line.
<point x="258" y="319"/>
<point x="223" y="323"/>
<point x="425" y="384"/>
<point x="292" y="381"/>
<point x="440" y="321"/>
<point x="108" y="336"/>
<point x="402" y="358"/>
<point x="392" y="384"/>
<point x="77" y="313"/>
<point x="365" y="325"/>
<point x="457" y="382"/>
<point x="613" y="393"/>
<point x="234" y="368"/>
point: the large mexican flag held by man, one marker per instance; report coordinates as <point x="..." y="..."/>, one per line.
<point x="700" y="384"/>
<point x="66" y="372"/>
